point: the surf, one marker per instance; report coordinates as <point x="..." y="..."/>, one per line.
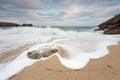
<point x="73" y="48"/>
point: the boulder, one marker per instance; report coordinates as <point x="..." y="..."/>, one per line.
<point x="37" y="54"/>
<point x="34" y="54"/>
<point x="50" y="52"/>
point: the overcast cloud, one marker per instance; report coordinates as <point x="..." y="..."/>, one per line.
<point x="58" y="12"/>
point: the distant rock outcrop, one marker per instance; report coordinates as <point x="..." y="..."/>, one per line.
<point x="111" y="26"/>
<point x="8" y="24"/>
<point x="27" y="24"/>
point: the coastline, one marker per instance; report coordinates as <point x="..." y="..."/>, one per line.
<point x="13" y="53"/>
<point x="105" y="68"/>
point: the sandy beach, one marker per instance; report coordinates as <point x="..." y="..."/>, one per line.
<point x="105" y="68"/>
<point x="59" y="40"/>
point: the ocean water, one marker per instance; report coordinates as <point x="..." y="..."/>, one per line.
<point x="79" y="43"/>
<point x="10" y="36"/>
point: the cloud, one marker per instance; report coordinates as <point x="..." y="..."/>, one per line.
<point x="105" y="10"/>
<point x="58" y="12"/>
<point x="72" y="10"/>
<point x="22" y="4"/>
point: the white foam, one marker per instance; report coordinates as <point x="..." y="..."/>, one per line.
<point x="80" y="47"/>
<point x="17" y="36"/>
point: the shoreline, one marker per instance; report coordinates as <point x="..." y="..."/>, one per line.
<point x="105" y="68"/>
<point x="13" y="53"/>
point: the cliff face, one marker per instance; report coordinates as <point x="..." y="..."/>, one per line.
<point x="111" y="26"/>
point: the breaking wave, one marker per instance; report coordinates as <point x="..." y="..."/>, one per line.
<point x="78" y="47"/>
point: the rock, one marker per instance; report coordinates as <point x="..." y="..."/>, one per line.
<point x="37" y="54"/>
<point x="50" y="52"/>
<point x="111" y="26"/>
<point x="114" y="30"/>
<point x="34" y="54"/>
<point x="46" y="54"/>
<point x="27" y="24"/>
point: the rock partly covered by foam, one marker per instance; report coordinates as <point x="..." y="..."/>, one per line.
<point x="37" y="54"/>
<point x="111" y="26"/>
<point x="34" y="54"/>
<point x="8" y="24"/>
<point x="46" y="52"/>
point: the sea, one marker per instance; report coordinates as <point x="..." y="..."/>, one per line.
<point x="80" y="43"/>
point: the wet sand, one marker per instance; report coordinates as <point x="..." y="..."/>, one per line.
<point x="13" y="53"/>
<point x="105" y="68"/>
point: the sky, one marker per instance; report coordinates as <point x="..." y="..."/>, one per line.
<point x="58" y="12"/>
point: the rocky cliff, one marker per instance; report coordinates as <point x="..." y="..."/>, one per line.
<point x="111" y="26"/>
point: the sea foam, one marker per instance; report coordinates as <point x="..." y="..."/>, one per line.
<point x="79" y="47"/>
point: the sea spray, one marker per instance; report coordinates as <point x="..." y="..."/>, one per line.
<point x="78" y="47"/>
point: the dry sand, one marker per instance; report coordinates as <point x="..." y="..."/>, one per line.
<point x="106" y="68"/>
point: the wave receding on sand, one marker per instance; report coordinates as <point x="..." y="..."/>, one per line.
<point x="80" y="47"/>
